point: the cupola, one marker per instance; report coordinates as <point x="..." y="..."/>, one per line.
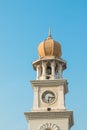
<point x="49" y="47"/>
<point x="50" y="65"/>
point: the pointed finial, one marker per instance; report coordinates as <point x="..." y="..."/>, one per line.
<point x="49" y="33"/>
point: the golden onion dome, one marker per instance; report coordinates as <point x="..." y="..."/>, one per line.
<point x="49" y="47"/>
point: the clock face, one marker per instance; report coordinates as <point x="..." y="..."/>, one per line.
<point x="48" y="96"/>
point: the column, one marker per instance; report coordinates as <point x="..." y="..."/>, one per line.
<point x="35" y="103"/>
<point x="43" y="70"/>
<point x="61" y="98"/>
<point x="59" y="70"/>
<point x="53" y="69"/>
<point x="38" y="71"/>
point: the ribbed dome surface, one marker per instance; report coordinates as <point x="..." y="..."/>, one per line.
<point x="49" y="47"/>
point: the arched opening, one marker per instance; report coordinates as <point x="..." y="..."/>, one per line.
<point x="48" y="70"/>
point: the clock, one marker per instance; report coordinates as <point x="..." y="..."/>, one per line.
<point x="48" y="96"/>
<point x="49" y="126"/>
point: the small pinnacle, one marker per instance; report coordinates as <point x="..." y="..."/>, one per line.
<point x="49" y="33"/>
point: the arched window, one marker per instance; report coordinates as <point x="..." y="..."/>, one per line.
<point x="48" y="70"/>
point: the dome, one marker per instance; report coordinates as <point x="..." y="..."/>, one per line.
<point x="49" y="47"/>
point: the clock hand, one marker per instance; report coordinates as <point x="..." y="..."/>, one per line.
<point x="50" y="98"/>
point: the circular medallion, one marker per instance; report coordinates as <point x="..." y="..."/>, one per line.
<point x="48" y="96"/>
<point x="49" y="126"/>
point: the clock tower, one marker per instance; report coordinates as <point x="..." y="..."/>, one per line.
<point x="49" y="111"/>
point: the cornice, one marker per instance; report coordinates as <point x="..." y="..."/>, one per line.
<point x="48" y="58"/>
<point x="50" y="115"/>
<point x="50" y="83"/>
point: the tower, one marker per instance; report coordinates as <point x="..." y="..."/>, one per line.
<point x="49" y="111"/>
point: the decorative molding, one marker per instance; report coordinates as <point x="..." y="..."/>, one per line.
<point x="49" y="126"/>
<point x="51" y="83"/>
<point x="49" y="58"/>
<point x="50" y="115"/>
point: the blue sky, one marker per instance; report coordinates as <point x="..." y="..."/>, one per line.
<point x="23" y="25"/>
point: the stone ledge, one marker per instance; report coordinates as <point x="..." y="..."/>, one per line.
<point x="49" y="58"/>
<point x="50" y="83"/>
<point x="50" y="115"/>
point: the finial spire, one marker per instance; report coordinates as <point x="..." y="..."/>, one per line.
<point x="49" y="33"/>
